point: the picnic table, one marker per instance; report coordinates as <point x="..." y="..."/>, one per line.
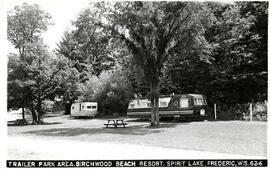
<point x="115" y="123"/>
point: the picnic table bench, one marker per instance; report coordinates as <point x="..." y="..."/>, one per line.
<point x="115" y="123"/>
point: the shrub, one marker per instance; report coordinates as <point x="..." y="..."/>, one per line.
<point x="47" y="106"/>
<point x="241" y="112"/>
<point x="111" y="90"/>
<point x="260" y="111"/>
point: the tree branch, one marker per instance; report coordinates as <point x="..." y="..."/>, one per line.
<point x="176" y="17"/>
<point x="131" y="45"/>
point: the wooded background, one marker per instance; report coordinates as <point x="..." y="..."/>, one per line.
<point x="120" y="49"/>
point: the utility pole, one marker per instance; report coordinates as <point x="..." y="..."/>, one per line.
<point x="250" y="111"/>
<point x="215" y="111"/>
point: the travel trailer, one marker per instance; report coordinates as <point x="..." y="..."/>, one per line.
<point x="182" y="106"/>
<point x="84" y="109"/>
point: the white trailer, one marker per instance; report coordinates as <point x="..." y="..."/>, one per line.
<point x="84" y="109"/>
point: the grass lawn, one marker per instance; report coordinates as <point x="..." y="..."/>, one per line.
<point x="232" y="137"/>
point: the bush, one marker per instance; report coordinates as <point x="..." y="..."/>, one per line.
<point x="111" y="90"/>
<point x="241" y="112"/>
<point x="260" y="111"/>
<point x="47" y="106"/>
<point x="231" y="112"/>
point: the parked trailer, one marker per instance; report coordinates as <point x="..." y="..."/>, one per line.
<point x="84" y="109"/>
<point x="181" y="106"/>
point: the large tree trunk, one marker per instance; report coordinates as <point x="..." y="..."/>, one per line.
<point x="39" y="112"/>
<point x="153" y="117"/>
<point x="157" y="110"/>
<point x="34" y="115"/>
<point x="23" y="115"/>
<point x="154" y="98"/>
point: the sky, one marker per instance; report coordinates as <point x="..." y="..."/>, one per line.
<point x="62" y="12"/>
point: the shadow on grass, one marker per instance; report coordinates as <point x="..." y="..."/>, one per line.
<point x="14" y="124"/>
<point x="131" y="130"/>
<point x="80" y="118"/>
<point x="51" y="123"/>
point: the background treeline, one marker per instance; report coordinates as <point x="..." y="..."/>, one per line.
<point x="219" y="50"/>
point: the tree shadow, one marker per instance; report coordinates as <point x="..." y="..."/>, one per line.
<point x="51" y="123"/>
<point x="137" y="120"/>
<point x="131" y="130"/>
<point x="164" y="125"/>
<point x="162" y="120"/>
<point x="83" y="118"/>
<point x="14" y="124"/>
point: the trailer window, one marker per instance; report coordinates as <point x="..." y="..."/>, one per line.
<point x="183" y="102"/>
<point x="198" y="101"/>
<point x="163" y="104"/>
<point x="205" y="102"/>
<point x="91" y="107"/>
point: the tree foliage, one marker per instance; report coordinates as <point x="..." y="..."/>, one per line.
<point x="37" y="77"/>
<point x="238" y="70"/>
<point x="118" y="49"/>
<point x="111" y="89"/>
<point x="25" y="24"/>
<point x="87" y="46"/>
<point x="153" y="32"/>
<point x="211" y="48"/>
<point x="34" y="74"/>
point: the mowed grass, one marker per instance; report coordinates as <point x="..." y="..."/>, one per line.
<point x="234" y="137"/>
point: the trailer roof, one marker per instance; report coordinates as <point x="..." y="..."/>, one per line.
<point x="171" y="95"/>
<point x="196" y="95"/>
<point x="85" y="103"/>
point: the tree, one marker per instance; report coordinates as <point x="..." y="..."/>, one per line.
<point x="47" y="78"/>
<point x="87" y="46"/>
<point x="36" y="78"/>
<point x="25" y="24"/>
<point x="71" y="86"/>
<point x="153" y="32"/>
<point x="18" y="92"/>
<point x="34" y="75"/>
<point x="112" y="90"/>
<point x="237" y="73"/>
<point x="90" y="52"/>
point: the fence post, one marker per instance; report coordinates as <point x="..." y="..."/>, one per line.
<point x="250" y="111"/>
<point x="215" y="111"/>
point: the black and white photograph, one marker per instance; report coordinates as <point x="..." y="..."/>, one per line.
<point x="135" y="83"/>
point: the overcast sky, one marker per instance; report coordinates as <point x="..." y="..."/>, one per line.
<point x="62" y="12"/>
